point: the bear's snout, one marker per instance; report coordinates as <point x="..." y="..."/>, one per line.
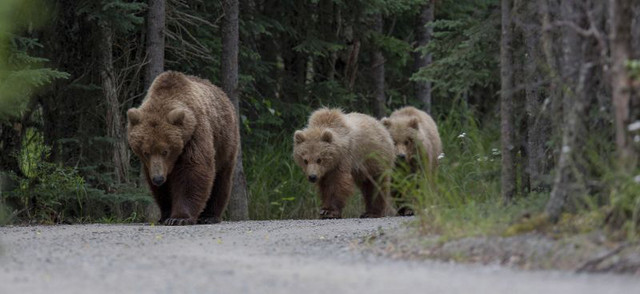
<point x="158" y="180"/>
<point x="313" y="178"/>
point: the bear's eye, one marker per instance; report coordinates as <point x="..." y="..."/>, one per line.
<point x="305" y="161"/>
<point x="164" y="153"/>
<point x="146" y="154"/>
<point x="318" y="161"/>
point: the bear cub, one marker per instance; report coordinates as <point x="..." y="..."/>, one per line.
<point x="185" y="133"/>
<point x="415" y="136"/>
<point x="339" y="151"/>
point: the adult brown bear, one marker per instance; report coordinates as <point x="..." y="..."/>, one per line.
<point x="186" y="135"/>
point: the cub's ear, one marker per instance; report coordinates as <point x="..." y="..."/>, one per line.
<point x="327" y="136"/>
<point x="134" y="115"/>
<point x="413" y="123"/>
<point x="176" y="116"/>
<point x="386" y="122"/>
<point x="298" y="137"/>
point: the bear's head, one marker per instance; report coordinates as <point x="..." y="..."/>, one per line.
<point x="404" y="132"/>
<point x="317" y="151"/>
<point x="158" y="140"/>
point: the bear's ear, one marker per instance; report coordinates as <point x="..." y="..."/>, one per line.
<point x="298" y="137"/>
<point x="134" y="115"/>
<point x="386" y="122"/>
<point x="327" y="136"/>
<point x="176" y="116"/>
<point x="413" y="123"/>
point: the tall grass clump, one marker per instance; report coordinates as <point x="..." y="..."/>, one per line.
<point x="463" y="196"/>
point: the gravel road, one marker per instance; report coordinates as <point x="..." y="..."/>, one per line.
<point x="292" y="256"/>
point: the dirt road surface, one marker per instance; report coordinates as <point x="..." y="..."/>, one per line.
<point x="292" y="256"/>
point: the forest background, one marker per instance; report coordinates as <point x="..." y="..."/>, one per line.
<point x="537" y="103"/>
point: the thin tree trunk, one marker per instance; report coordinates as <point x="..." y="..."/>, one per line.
<point x="506" y="105"/>
<point x="115" y="126"/>
<point x="154" y="51"/>
<point x="155" y="41"/>
<point x="551" y="50"/>
<point x="577" y="73"/>
<point x="537" y="120"/>
<point x="570" y="182"/>
<point x="423" y="37"/>
<point x="238" y="204"/>
<point x="377" y="73"/>
<point x="620" y="14"/>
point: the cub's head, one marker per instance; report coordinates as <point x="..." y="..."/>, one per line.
<point x="404" y="132"/>
<point x="158" y="140"/>
<point x="316" y="151"/>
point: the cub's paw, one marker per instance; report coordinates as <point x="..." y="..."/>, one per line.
<point x="178" y="222"/>
<point x="405" y="211"/>
<point x="209" y="220"/>
<point x="329" y="214"/>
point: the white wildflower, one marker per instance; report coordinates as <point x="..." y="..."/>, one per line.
<point x="495" y="151"/>
<point x="463" y="135"/>
<point x="441" y="156"/>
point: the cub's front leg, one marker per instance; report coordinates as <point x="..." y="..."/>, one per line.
<point x="335" y="188"/>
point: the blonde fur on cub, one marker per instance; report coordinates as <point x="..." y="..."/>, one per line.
<point x="339" y="151"/>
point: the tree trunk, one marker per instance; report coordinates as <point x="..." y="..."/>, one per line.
<point x="377" y="73"/>
<point x="238" y="204"/>
<point x="506" y="105"/>
<point x="154" y="51"/>
<point x="537" y="119"/>
<point x="577" y="73"/>
<point x="115" y="127"/>
<point x="620" y="14"/>
<point x="155" y="41"/>
<point x="570" y="182"/>
<point x="423" y="36"/>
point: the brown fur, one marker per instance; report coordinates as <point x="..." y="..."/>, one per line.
<point x="186" y="134"/>
<point x="414" y="131"/>
<point x="343" y="151"/>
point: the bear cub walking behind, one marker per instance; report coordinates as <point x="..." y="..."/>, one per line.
<point x="414" y="131"/>
<point x="186" y="135"/>
<point x="338" y="151"/>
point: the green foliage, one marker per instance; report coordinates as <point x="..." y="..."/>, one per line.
<point x="47" y="192"/>
<point x="464" y="47"/>
<point x="123" y="16"/>
<point x="464" y="196"/>
<point x="20" y="73"/>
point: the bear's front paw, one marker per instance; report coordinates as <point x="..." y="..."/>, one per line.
<point x="329" y="214"/>
<point x="209" y="220"/>
<point x="178" y="222"/>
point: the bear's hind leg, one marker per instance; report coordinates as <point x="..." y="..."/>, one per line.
<point x="376" y="198"/>
<point x="219" y="198"/>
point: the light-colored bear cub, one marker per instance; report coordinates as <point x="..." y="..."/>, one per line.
<point x="414" y="131"/>
<point x="339" y="151"/>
